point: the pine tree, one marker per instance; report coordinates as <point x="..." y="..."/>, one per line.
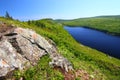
<point x="8" y="16"/>
<point x="29" y="22"/>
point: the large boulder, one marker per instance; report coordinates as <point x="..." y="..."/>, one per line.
<point x="21" y="48"/>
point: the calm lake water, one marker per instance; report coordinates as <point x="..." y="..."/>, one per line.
<point x="95" y="39"/>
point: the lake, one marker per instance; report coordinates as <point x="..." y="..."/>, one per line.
<point x="95" y="39"/>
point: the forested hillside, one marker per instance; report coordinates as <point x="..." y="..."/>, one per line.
<point x="108" y="24"/>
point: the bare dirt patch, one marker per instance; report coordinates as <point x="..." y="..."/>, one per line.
<point x="72" y="75"/>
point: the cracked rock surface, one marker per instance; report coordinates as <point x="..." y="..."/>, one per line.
<point x="21" y="48"/>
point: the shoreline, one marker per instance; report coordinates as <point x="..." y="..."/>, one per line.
<point x="104" y="31"/>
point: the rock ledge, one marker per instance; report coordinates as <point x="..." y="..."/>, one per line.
<point x="21" y="48"/>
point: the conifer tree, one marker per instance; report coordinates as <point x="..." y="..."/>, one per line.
<point x="7" y="15"/>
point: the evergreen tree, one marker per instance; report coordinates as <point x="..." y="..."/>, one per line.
<point x="29" y="22"/>
<point x="7" y="15"/>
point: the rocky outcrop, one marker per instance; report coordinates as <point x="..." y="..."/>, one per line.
<point x="21" y="48"/>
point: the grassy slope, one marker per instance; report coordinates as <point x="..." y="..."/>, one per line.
<point x="109" y="24"/>
<point x="97" y="64"/>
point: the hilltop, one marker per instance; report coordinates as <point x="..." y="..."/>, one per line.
<point x="88" y="63"/>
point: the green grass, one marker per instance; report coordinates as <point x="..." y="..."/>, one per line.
<point x="98" y="64"/>
<point x="108" y="24"/>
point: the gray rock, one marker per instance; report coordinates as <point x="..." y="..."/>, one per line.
<point x="21" y="48"/>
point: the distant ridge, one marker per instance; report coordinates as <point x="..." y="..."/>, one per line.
<point x="106" y="23"/>
<point x="109" y="16"/>
<point x="102" y="16"/>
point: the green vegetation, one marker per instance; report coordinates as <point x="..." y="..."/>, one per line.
<point x="98" y="65"/>
<point x="41" y="71"/>
<point x="108" y="24"/>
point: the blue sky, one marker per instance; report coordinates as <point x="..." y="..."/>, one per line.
<point x="58" y="9"/>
